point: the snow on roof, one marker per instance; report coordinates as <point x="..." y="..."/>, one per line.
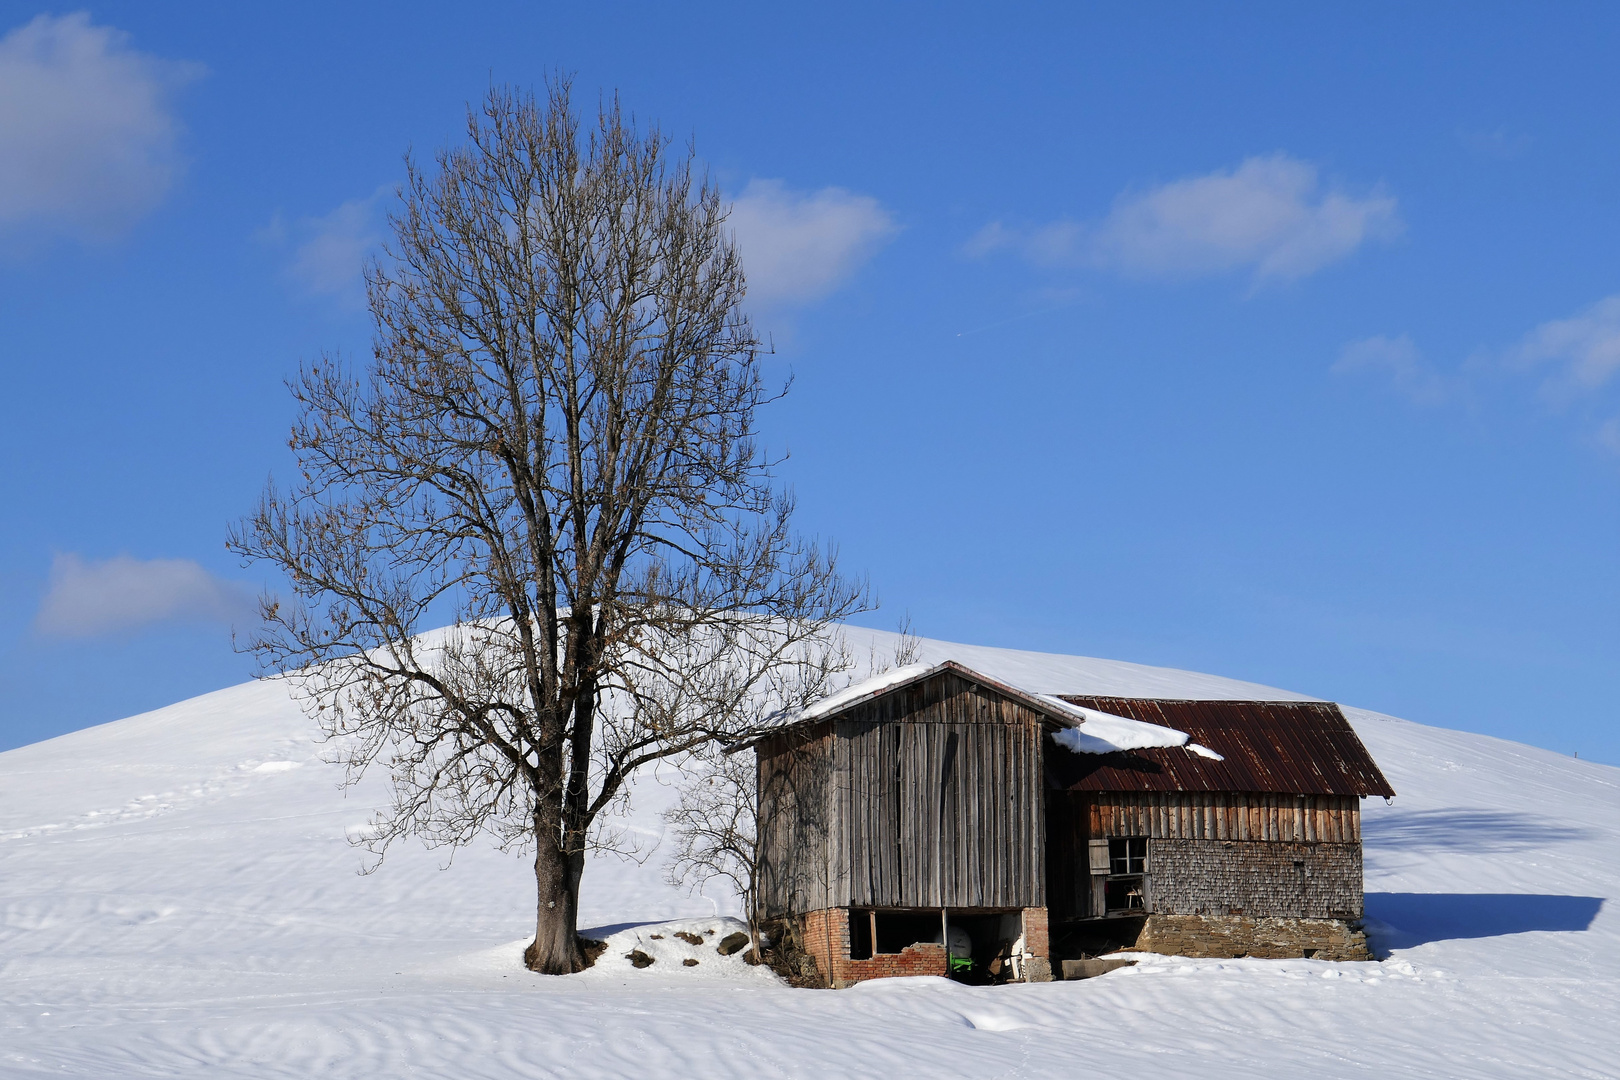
<point x="1091" y="731"/>
<point x="872" y="687"/>
<point x="1105" y="733"/>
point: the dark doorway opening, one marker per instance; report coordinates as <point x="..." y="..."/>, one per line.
<point x="860" y="935"/>
<point x="1090" y="938"/>
<point x="991" y="936"/>
<point x="980" y="942"/>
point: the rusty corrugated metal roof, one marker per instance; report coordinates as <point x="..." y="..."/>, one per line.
<point x="1287" y="747"/>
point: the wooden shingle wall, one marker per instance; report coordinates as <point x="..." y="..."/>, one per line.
<point x="1251" y="838"/>
<point x="1255" y="878"/>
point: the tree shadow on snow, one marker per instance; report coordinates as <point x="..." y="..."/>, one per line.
<point x="601" y="933"/>
<point x="1402" y="920"/>
<point x="1463" y="829"/>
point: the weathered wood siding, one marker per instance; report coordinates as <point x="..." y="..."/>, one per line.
<point x="795" y="818"/>
<point x="1219" y="815"/>
<point x="939" y="796"/>
<point x="926" y="797"/>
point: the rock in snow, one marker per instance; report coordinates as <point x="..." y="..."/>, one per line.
<point x="178" y="897"/>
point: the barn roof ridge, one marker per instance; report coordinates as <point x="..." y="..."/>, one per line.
<point x="882" y="683"/>
<point x="886" y="682"/>
<point x="1049" y="704"/>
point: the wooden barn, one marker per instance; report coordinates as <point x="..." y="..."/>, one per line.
<point x="938" y="821"/>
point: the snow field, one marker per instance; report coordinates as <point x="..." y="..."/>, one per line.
<point x="178" y="897"/>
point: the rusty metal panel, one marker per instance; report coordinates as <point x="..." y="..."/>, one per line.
<point x="1287" y="747"/>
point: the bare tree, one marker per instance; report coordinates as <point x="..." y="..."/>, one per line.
<point x="552" y="451"/>
<point x="714" y="823"/>
<point x="714" y="820"/>
<point x="907" y="649"/>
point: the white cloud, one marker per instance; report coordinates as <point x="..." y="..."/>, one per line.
<point x="800" y="246"/>
<point x="1576" y="359"/>
<point x="1399" y="360"/>
<point x="1585" y="349"/>
<point x="1583" y="352"/>
<point x="1501" y="144"/>
<point x="1608" y="435"/>
<point x="87" y="599"/>
<point x="329" y="251"/>
<point x="88" y="141"/>
<point x="1270" y="215"/>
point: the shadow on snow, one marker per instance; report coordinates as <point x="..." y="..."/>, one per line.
<point x="601" y="933"/>
<point x="1402" y="920"/>
<point x="1465" y="830"/>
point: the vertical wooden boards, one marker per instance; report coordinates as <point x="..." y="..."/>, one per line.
<point x="796" y="804"/>
<point x="1213" y="815"/>
<point x="939" y="796"/>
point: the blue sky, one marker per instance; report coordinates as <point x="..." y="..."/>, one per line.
<point x="1276" y="341"/>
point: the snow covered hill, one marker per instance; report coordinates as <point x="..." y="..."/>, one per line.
<point x="177" y="898"/>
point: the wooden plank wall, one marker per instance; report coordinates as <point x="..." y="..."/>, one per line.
<point x="1219" y="815"/>
<point x="938" y="800"/>
<point x="795" y="816"/>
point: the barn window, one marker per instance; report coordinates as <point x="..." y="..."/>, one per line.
<point x="1127" y="855"/>
<point x="1119" y="875"/>
<point x="1126" y="887"/>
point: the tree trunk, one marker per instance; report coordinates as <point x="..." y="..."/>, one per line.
<point x="555" y="950"/>
<point x="750" y="899"/>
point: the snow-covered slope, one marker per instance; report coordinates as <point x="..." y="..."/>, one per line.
<point x="177" y="898"/>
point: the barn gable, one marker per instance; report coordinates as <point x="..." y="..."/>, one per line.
<point x="925" y="795"/>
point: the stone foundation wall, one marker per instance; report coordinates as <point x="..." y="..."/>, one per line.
<point x="1268" y="879"/>
<point x="1244" y="935"/>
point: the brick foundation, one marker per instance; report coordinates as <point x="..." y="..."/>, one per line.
<point x="826" y="939"/>
<point x="1244" y="935"/>
<point x="1037" y="945"/>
